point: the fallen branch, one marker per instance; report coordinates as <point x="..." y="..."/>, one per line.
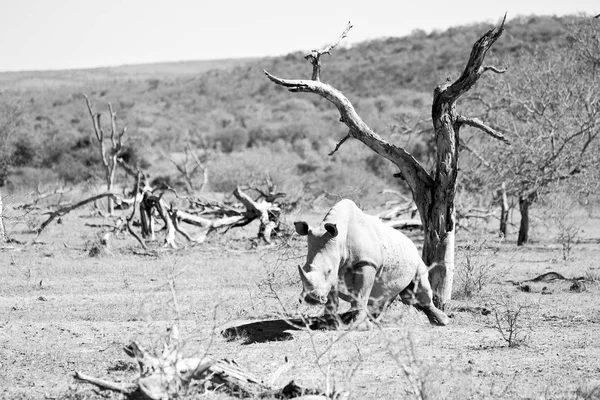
<point x="170" y="375"/>
<point x="67" y="209"/>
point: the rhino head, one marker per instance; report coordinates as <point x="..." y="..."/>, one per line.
<point x="320" y="272"/>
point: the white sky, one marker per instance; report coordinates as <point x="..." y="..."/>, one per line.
<point x="64" y="34"/>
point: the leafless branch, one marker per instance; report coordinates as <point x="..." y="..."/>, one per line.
<point x="465" y="146"/>
<point x="414" y="172"/>
<point x="494" y="69"/>
<point x="315" y="55"/>
<point x="64" y="210"/>
<point x="339" y="144"/>
<point x="451" y="92"/>
<point x="477" y="123"/>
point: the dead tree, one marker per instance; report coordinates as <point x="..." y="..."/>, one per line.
<point x="215" y="216"/>
<point x="109" y="155"/>
<point x="433" y="191"/>
<point x="188" y="173"/>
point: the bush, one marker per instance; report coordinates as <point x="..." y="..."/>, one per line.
<point x="231" y="139"/>
<point x="512" y="319"/>
<point x="475" y="269"/>
<point x="24" y="153"/>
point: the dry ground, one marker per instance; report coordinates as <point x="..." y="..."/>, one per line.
<point x="62" y="310"/>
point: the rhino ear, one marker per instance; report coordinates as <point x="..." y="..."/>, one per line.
<point x="332" y="229"/>
<point x="301" y="228"/>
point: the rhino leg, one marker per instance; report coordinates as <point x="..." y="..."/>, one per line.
<point x="434" y="314"/>
<point x="363" y="278"/>
<point x="325" y="323"/>
<point x="423" y="296"/>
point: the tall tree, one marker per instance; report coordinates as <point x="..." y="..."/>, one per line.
<point x="550" y="106"/>
<point x="433" y="191"/>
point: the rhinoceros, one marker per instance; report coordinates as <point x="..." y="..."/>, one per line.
<point x="356" y="257"/>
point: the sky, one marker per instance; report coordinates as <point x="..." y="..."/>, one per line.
<point x="72" y="34"/>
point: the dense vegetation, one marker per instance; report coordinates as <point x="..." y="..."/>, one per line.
<point x="240" y="123"/>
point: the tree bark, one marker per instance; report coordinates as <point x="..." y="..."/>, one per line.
<point x="2" y="227"/>
<point x="503" y="210"/>
<point x="524" y="204"/>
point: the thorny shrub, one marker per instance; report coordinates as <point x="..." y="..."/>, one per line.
<point x="475" y="268"/>
<point x="512" y="319"/>
<point x="560" y="209"/>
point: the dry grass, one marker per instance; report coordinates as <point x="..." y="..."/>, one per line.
<point x="64" y="311"/>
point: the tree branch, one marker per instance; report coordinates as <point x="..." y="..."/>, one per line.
<point x="413" y="171"/>
<point x="339" y="144"/>
<point x="465" y="146"/>
<point x="477" y="123"/>
<point x="474" y="69"/>
<point x="493" y="69"/>
<point x="64" y="210"/>
<point x="315" y="55"/>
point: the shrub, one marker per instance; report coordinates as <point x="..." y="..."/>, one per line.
<point x="24" y="153"/>
<point x="512" y="320"/>
<point x="231" y="139"/>
<point x="475" y="269"/>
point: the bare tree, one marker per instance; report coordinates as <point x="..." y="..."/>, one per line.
<point x="109" y="155"/>
<point x="189" y="173"/>
<point x="550" y="104"/>
<point x="433" y="191"/>
<point x="9" y="120"/>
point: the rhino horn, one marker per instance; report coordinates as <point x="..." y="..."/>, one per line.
<point x="302" y="273"/>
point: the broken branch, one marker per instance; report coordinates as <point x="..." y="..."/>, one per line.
<point x="339" y="144"/>
<point x="315" y="55"/>
<point x="477" y="123"/>
<point x="64" y="210"/>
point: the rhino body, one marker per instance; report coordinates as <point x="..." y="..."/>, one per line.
<point x="356" y="257"/>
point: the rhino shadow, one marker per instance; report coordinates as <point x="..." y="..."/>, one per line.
<point x="265" y="330"/>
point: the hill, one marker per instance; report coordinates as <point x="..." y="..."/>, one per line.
<point x="243" y="124"/>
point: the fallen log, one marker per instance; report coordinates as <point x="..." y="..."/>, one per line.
<point x="170" y="375"/>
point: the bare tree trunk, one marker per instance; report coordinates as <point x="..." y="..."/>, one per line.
<point x="2" y="228"/>
<point x="110" y="181"/>
<point x="524" y="203"/>
<point x="116" y="139"/>
<point x="438" y="247"/>
<point x="503" y="210"/>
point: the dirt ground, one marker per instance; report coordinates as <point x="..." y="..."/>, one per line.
<point x="63" y="311"/>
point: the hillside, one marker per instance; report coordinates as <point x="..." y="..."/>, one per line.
<point x="241" y="123"/>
